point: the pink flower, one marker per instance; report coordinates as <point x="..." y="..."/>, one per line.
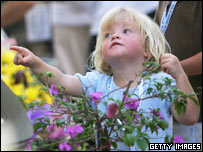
<point x="65" y="99"/>
<point x="78" y="128"/>
<point x="112" y="110"/>
<point x="55" y="132"/>
<point x="156" y="113"/>
<point x="53" y="90"/>
<point x="74" y="130"/>
<point x="131" y="105"/>
<point x="96" y="97"/>
<point x="65" y="147"/>
<point x="178" y="139"/>
<point x="29" y="143"/>
<point x="161" y="117"/>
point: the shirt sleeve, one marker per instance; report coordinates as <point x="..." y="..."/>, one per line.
<point x="89" y="81"/>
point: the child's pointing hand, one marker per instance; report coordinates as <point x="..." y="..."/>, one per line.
<point x="23" y="57"/>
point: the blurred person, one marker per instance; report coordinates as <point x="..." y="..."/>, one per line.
<point x="13" y="11"/>
<point x="14" y="22"/>
<point x="183" y="31"/>
<point x="101" y="7"/>
<point x="71" y="22"/>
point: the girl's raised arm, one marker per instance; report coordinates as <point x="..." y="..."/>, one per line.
<point x="26" y="58"/>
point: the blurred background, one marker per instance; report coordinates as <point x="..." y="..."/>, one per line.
<point x="61" y="33"/>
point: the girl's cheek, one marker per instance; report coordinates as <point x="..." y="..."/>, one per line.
<point x="104" y="49"/>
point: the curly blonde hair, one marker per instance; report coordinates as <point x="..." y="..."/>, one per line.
<point x="155" y="43"/>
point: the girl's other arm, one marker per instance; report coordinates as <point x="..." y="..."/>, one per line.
<point x="26" y="58"/>
<point x="172" y="66"/>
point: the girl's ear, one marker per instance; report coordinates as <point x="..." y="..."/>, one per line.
<point x="146" y="54"/>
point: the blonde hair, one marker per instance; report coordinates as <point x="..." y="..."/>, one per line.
<point x="155" y="43"/>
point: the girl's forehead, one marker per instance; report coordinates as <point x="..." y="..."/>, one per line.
<point x="122" y="23"/>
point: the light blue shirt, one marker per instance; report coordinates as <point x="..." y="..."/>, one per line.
<point x="95" y="81"/>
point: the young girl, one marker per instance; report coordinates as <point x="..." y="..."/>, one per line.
<point x="126" y="39"/>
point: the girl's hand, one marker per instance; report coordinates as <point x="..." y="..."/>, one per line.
<point x="171" y="65"/>
<point x="24" y="57"/>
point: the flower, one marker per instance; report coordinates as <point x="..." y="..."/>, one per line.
<point x="161" y="117"/>
<point x="137" y="117"/>
<point x="28" y="147"/>
<point x="20" y="79"/>
<point x="64" y="146"/>
<point x="178" y="139"/>
<point x="78" y="128"/>
<point x="96" y="97"/>
<point x="74" y="130"/>
<point x="53" y="90"/>
<point x="131" y="105"/>
<point x="112" y="110"/>
<point x="155" y="113"/>
<point x="54" y="131"/>
<point x="38" y="112"/>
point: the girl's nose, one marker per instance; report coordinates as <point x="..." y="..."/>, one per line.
<point x="115" y="36"/>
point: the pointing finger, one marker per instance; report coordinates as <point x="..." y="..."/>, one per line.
<point x="19" y="49"/>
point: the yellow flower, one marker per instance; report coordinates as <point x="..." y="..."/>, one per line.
<point x="32" y="93"/>
<point x="47" y="98"/>
<point x="8" y="73"/>
<point x="18" y="89"/>
<point x="29" y="77"/>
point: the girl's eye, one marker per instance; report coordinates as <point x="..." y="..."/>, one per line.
<point x="126" y="31"/>
<point x="108" y="35"/>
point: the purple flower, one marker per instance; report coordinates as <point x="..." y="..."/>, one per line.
<point x="137" y="117"/>
<point x="38" y="112"/>
<point x="53" y="90"/>
<point x="74" y="130"/>
<point x="96" y="97"/>
<point x="178" y="139"/>
<point x="131" y="105"/>
<point x="112" y="110"/>
<point x="65" y="147"/>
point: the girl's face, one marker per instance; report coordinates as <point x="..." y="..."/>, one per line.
<point x="122" y="41"/>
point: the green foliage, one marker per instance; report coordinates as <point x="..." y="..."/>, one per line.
<point x="97" y="127"/>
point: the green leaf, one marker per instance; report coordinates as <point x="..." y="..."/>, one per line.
<point x="47" y="119"/>
<point x="149" y="90"/>
<point x="114" y="144"/>
<point x="60" y="122"/>
<point x="180" y="107"/>
<point x="191" y="96"/>
<point x="112" y="99"/>
<point x="153" y="127"/>
<point x="49" y="74"/>
<point x="166" y="140"/>
<point x="130" y="140"/>
<point x="44" y="89"/>
<point x="162" y="124"/>
<point x="142" y="144"/>
<point x="39" y="125"/>
<point x="39" y="75"/>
